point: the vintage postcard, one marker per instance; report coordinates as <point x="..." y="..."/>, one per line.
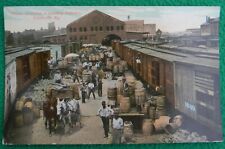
<point x="111" y="74"/>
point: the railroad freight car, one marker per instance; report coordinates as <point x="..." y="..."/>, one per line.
<point x="189" y="76"/>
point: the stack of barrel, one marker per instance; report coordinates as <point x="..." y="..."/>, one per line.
<point x="112" y="94"/>
<point x="25" y="112"/>
<point x="131" y="89"/>
<point x="122" y="101"/>
<point x="125" y="104"/>
<point x="149" y="109"/>
<point x="128" y="130"/>
<point x="116" y="65"/>
<point x="139" y="95"/>
<point x="147" y="127"/>
<point x="160" y="105"/>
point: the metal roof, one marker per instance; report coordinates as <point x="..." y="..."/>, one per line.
<point x="9" y="57"/>
<point x="207" y="59"/>
<point x="13" y="56"/>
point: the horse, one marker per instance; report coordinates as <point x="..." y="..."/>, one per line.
<point x="63" y="112"/>
<point x="74" y="108"/>
<point x="50" y="114"/>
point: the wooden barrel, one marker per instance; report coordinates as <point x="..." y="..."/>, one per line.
<point x="138" y="84"/>
<point x="19" y="105"/>
<point x="160" y="101"/>
<point x="112" y="92"/>
<point x="28" y="105"/>
<point x="131" y="94"/>
<point x="121" y="69"/>
<point x="130" y="81"/>
<point x="152" y="112"/>
<point x="160" y="112"/>
<point x="161" y="123"/>
<point x="115" y="69"/>
<point x="147" y="127"/>
<point x="116" y="60"/>
<point x="18" y="119"/>
<point x="28" y="117"/>
<point x="128" y="130"/>
<point x="124" y="104"/>
<point x="36" y="112"/>
<point x="124" y="64"/>
<point x="119" y="98"/>
<point x="119" y="85"/>
<point x="145" y="109"/>
<point x="140" y="96"/>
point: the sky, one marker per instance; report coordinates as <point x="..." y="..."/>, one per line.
<point x="167" y="19"/>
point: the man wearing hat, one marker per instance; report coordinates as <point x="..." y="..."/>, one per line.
<point x="117" y="125"/>
<point x="104" y="112"/>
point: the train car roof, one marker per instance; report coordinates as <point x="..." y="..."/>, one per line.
<point x="195" y="56"/>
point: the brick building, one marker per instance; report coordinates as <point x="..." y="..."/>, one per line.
<point x="210" y="27"/>
<point x="94" y="27"/>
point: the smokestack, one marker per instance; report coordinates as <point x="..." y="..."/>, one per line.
<point x="128" y="17"/>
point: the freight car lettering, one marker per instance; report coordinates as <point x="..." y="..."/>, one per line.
<point x="190" y="106"/>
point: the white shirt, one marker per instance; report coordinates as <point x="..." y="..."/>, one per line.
<point x="110" y="54"/>
<point x="85" y="64"/>
<point x="106" y="112"/>
<point x="57" y="76"/>
<point x="117" y="123"/>
<point x="90" y="64"/>
<point x="91" y="85"/>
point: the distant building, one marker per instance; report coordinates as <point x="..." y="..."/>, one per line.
<point x="210" y="27"/>
<point x="206" y="36"/>
<point x="193" y="31"/>
<point x="134" y="26"/>
<point x="94" y="27"/>
<point x="51" y="26"/>
<point x="57" y="37"/>
<point x="136" y="29"/>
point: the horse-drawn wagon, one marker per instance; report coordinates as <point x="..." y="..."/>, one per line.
<point x="61" y="107"/>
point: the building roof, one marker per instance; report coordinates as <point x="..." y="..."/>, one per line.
<point x="12" y="56"/>
<point x="48" y="36"/>
<point x="18" y="52"/>
<point x="134" y="22"/>
<point x="93" y="12"/>
<point x="202" y="58"/>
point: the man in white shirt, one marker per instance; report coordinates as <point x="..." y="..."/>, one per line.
<point x="117" y="125"/>
<point x="110" y="55"/>
<point x="91" y="89"/>
<point x="105" y="113"/>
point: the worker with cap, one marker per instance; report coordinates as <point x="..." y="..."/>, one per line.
<point x="105" y="113"/>
<point x="117" y="125"/>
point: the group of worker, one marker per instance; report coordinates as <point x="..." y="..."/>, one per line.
<point x="107" y="114"/>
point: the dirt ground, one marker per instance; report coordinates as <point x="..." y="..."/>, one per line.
<point x="91" y="131"/>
